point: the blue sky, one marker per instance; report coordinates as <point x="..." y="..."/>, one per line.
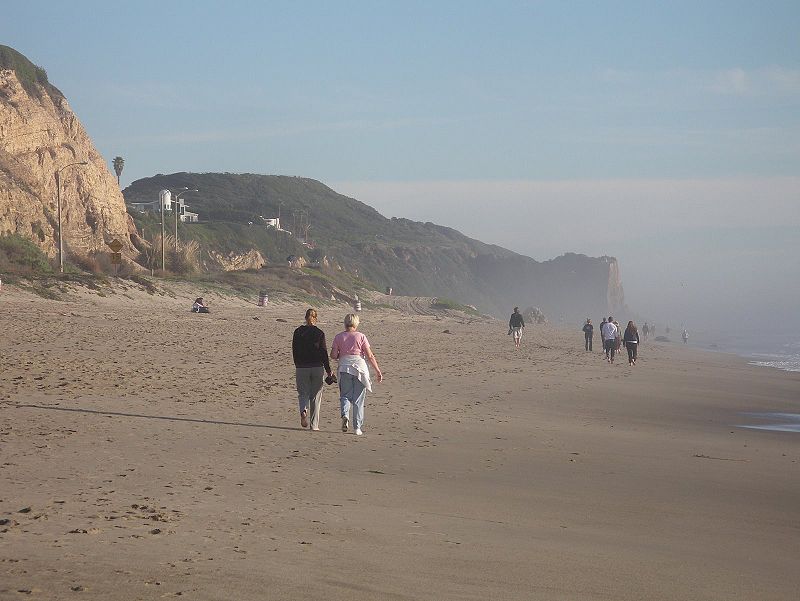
<point x="402" y="104"/>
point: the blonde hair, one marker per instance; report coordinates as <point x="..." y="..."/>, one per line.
<point x="311" y="314"/>
<point x="351" y="320"/>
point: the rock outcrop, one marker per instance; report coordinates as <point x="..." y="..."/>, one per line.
<point x="40" y="136"/>
<point x="233" y="261"/>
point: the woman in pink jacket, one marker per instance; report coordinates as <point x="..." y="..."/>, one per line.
<point x="352" y="350"/>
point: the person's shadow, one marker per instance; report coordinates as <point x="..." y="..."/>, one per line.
<point x="164" y="417"/>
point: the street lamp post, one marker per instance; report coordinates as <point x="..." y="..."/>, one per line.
<point x="163" y="233"/>
<point x="175" y="206"/>
<point x="58" y="201"/>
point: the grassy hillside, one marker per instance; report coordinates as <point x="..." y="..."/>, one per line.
<point x="412" y="257"/>
<point x="384" y="251"/>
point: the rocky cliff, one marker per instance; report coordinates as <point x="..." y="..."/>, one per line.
<point x="40" y="135"/>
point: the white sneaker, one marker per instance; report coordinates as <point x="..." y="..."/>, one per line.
<point x="358" y="432"/>
<point x="345" y="423"/>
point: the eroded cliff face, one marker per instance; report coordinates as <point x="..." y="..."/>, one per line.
<point x="568" y="288"/>
<point x="233" y="261"/>
<point x="39" y="134"/>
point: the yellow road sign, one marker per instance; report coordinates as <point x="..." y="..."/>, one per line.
<point x="115" y="245"/>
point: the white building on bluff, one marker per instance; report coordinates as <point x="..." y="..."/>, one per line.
<point x="165" y="200"/>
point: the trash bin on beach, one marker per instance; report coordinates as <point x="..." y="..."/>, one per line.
<point x="388" y="291"/>
<point x="262" y="298"/>
<point x="357" y="306"/>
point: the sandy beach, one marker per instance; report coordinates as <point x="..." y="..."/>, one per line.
<point x="148" y="453"/>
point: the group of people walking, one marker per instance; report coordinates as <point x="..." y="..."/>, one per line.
<point x="354" y="355"/>
<point x="610" y="334"/>
<point x="311" y="359"/>
<point x="612" y="338"/>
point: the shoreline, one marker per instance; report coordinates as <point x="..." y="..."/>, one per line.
<point x="159" y="454"/>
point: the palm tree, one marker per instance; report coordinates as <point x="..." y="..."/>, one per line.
<point x="118" y="163"/>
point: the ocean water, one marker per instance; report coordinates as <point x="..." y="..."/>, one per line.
<point x="776" y="422"/>
<point x="775" y="351"/>
<point x="785" y="357"/>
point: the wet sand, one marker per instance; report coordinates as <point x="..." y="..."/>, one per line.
<point x="148" y="453"/>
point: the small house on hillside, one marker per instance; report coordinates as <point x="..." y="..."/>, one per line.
<point x="169" y="204"/>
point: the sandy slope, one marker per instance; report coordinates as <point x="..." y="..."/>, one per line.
<point x="160" y="455"/>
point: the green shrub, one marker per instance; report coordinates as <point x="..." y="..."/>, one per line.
<point x="20" y="255"/>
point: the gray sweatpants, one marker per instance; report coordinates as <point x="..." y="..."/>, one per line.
<point x="309" y="391"/>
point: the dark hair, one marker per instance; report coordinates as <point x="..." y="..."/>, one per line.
<point x="311" y="314"/>
<point x="199" y="299"/>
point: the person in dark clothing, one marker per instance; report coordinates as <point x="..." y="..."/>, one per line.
<point x="199" y="306"/>
<point x="310" y="353"/>
<point x="631" y="339"/>
<point x="588" y="333"/>
<point x="515" y="326"/>
<point x="603" y="337"/>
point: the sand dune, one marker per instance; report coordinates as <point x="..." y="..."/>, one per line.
<point x="147" y="453"/>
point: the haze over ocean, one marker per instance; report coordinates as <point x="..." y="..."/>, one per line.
<point x="664" y="135"/>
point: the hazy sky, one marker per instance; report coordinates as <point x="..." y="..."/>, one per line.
<point x="665" y="134"/>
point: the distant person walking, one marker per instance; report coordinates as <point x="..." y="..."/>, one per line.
<point x="603" y="336"/>
<point x="618" y="339"/>
<point x="631" y="340"/>
<point x="588" y="334"/>
<point x="310" y="353"/>
<point x="685" y="336"/>
<point x="515" y="326"/>
<point x="610" y="332"/>
<point x="645" y="331"/>
<point x="352" y="350"/>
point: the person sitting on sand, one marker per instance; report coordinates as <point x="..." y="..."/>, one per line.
<point x="310" y="354"/>
<point x="199" y="306"/>
<point x="515" y="326"/>
<point x="588" y="334"/>
<point x="351" y="348"/>
<point x="631" y="339"/>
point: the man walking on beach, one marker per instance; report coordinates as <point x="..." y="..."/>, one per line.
<point x="610" y="339"/>
<point x="515" y="326"/>
<point x="603" y="335"/>
<point x="588" y="333"/>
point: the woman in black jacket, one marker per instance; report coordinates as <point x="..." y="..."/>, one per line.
<point x="311" y="362"/>
<point x="631" y="340"/>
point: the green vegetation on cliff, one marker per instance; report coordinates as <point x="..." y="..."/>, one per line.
<point x="32" y="77"/>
